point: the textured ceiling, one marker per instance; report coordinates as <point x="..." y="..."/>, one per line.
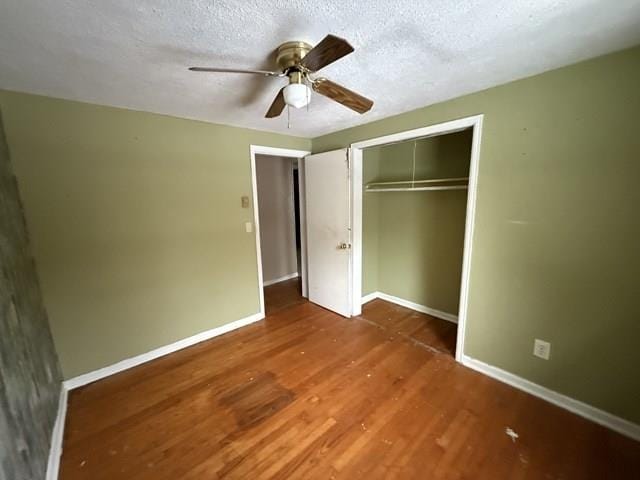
<point x="409" y="53"/>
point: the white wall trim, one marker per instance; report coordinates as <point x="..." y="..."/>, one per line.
<point x="450" y="317"/>
<point x="469" y="226"/>
<point x="594" y="414"/>
<point x="277" y="152"/>
<point x="57" y="435"/>
<point x="355" y="173"/>
<point x="452" y="126"/>
<point x="355" y="199"/>
<point x="418" y="308"/>
<point x="302" y="207"/>
<point x="128" y="363"/>
<point x="367" y="298"/>
<point x="281" y="279"/>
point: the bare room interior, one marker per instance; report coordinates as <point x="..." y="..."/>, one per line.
<point x="302" y="240"/>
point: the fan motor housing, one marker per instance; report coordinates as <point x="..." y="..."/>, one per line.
<point x="289" y="54"/>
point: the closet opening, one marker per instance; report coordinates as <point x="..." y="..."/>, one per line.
<point x="414" y="199"/>
<point x="279" y="237"/>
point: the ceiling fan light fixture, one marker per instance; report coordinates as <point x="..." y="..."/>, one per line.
<point x="299" y="62"/>
<point x="297" y="95"/>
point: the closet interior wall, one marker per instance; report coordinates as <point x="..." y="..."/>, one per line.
<point x="413" y="240"/>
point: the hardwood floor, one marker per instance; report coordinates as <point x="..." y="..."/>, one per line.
<point x="429" y="332"/>
<point x="282" y="295"/>
<point x="308" y="394"/>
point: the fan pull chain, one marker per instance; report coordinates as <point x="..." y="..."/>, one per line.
<point x="288" y="117"/>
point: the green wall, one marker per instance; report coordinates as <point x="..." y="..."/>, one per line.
<point x="370" y="223"/>
<point x="555" y="247"/>
<point x="136" y="222"/>
<point x="413" y="241"/>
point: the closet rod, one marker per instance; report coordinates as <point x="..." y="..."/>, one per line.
<point x="433" y="180"/>
<point x="417" y="189"/>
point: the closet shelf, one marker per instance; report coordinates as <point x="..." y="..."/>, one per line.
<point x="459" y="183"/>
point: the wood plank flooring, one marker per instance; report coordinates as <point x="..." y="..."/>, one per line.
<point x="307" y="394"/>
<point x="282" y="295"/>
<point x="429" y="332"/>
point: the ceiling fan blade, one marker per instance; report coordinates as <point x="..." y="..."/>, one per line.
<point x="330" y="49"/>
<point x="266" y="73"/>
<point x="342" y="95"/>
<point x="277" y="106"/>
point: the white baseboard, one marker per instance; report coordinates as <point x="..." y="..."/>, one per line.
<point x="91" y="377"/>
<point x="594" y="414"/>
<point x="57" y="435"/>
<point x="281" y="279"/>
<point x="369" y="297"/>
<point x="413" y="306"/>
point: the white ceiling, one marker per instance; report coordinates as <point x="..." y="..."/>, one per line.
<point x="409" y="53"/>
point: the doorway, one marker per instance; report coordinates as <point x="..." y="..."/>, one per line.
<point x="278" y="180"/>
<point x="413" y="183"/>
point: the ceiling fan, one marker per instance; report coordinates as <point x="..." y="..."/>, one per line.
<point x="299" y="61"/>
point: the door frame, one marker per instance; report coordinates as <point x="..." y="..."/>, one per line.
<point x="289" y="153"/>
<point x="474" y="122"/>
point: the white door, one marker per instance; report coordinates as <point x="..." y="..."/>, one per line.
<point x="328" y="233"/>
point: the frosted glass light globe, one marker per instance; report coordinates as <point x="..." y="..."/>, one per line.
<point x="297" y="95"/>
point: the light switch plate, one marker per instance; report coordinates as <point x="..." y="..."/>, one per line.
<point x="541" y="349"/>
<point x="248" y="226"/>
<point x="245" y="202"/>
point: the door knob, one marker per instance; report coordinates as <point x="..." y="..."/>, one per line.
<point x="344" y="246"/>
